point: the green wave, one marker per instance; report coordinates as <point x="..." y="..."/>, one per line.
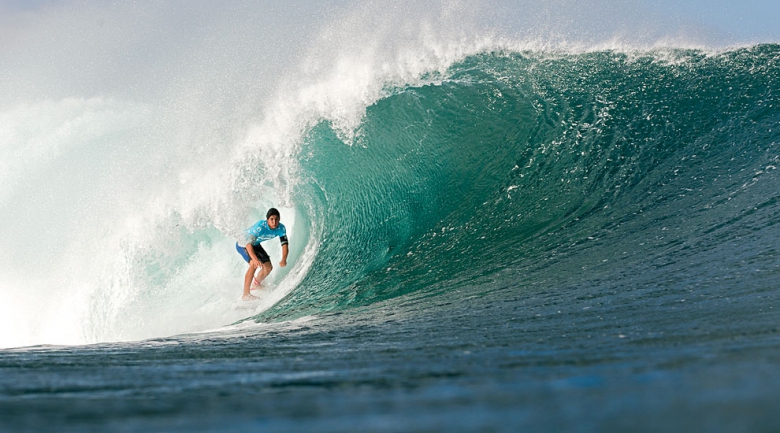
<point x="514" y="168"/>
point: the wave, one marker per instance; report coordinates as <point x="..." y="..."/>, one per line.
<point x="410" y="158"/>
<point x="511" y="163"/>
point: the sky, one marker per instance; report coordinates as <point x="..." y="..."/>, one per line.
<point x="742" y="20"/>
<point x="738" y="21"/>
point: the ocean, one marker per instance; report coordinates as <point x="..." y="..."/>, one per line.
<point x="487" y="232"/>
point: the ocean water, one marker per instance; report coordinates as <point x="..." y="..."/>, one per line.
<point x="489" y="230"/>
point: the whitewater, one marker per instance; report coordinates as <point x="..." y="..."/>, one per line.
<point x="500" y="217"/>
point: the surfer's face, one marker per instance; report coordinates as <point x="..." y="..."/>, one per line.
<point x="273" y="222"/>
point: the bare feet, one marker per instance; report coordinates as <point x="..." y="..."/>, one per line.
<point x="249" y="297"/>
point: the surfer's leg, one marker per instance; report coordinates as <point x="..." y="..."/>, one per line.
<point x="264" y="269"/>
<point x="263" y="272"/>
<point x="250" y="273"/>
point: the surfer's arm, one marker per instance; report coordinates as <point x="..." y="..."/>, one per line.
<point x="284" y="241"/>
<point x="283" y="263"/>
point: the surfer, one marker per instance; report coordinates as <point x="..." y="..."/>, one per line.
<point x="255" y="255"/>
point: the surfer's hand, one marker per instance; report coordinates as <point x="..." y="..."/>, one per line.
<point x="283" y="263"/>
<point x="255" y="263"/>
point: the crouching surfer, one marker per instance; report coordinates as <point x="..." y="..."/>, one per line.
<point x="255" y="255"/>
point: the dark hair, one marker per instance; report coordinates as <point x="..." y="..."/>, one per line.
<point x="272" y="211"/>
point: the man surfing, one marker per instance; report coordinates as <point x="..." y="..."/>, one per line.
<point x="255" y="255"/>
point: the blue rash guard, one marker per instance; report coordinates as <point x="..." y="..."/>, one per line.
<point x="261" y="232"/>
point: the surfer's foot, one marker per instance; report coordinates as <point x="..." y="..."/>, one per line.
<point x="249" y="297"/>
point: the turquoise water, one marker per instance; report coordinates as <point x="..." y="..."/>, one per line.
<point x="486" y="233"/>
<point x="519" y="168"/>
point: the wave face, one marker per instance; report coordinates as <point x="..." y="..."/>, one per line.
<point x="517" y="171"/>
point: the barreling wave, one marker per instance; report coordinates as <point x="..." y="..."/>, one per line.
<point x="515" y="166"/>
<point x="485" y="169"/>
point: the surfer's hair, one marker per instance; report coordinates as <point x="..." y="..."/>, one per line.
<point x="272" y="211"/>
